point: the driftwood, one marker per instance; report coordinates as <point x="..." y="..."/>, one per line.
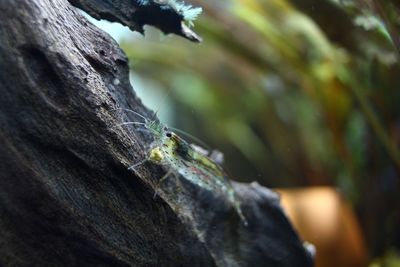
<point x="67" y="197"/>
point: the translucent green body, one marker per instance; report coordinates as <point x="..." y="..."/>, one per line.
<point x="171" y="150"/>
<point x="168" y="149"/>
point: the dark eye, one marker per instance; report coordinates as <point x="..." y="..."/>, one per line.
<point x="168" y="134"/>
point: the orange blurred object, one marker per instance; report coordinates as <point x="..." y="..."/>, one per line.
<point x="323" y="218"/>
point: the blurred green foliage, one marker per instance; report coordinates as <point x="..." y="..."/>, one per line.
<point x="295" y="93"/>
<point x="390" y="259"/>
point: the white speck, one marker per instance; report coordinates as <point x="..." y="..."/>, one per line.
<point x="116" y="82"/>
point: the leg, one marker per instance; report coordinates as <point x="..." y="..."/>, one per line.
<point x="137" y="164"/>
<point x="169" y="172"/>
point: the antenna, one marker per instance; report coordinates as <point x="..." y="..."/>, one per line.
<point x="134" y="112"/>
<point x="161" y="104"/>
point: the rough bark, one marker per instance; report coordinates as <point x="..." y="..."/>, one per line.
<point x="67" y="197"/>
<point x="135" y="14"/>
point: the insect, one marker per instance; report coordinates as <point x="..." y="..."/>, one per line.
<point x="193" y="164"/>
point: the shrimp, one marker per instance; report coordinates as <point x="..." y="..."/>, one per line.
<point x="169" y="149"/>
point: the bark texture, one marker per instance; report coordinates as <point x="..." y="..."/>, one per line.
<point x="137" y="13"/>
<point x="67" y="197"/>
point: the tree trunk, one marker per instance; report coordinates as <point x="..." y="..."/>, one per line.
<point x="67" y="197"/>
